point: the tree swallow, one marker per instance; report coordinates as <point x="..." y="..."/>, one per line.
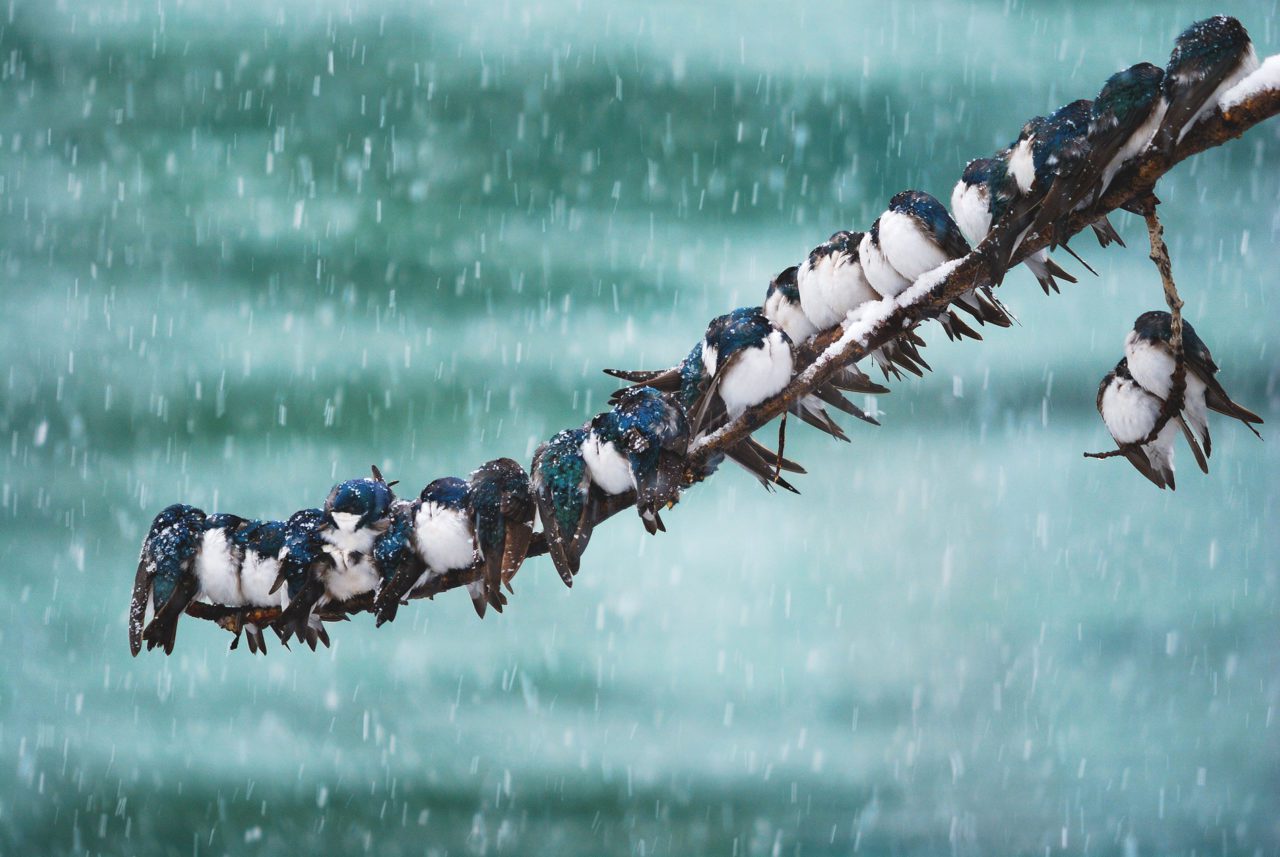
<point x="915" y="235"/>
<point x="260" y="544"/>
<point x="689" y="381"/>
<point x="504" y="513"/>
<point x="1210" y="57"/>
<point x="567" y="500"/>
<point x="1122" y="121"/>
<point x="748" y="360"/>
<point x="165" y="578"/>
<point x="981" y="197"/>
<point x="357" y="512"/>
<point x="305" y="563"/>
<point x="1151" y="364"/>
<point x="444" y="541"/>
<point x="1047" y="147"/>
<point x="639" y="445"/>
<point x="783" y="307"/>
<point x="1130" y="414"/>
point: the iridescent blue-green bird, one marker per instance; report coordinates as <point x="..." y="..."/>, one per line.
<point x="502" y="498"/>
<point x="1208" y="58"/>
<point x="165" y="578"/>
<point x="1122" y="121"/>
<point x="569" y="504"/>
<point x="305" y="561"/>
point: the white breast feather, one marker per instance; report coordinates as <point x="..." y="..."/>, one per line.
<point x="970" y="205"/>
<point x="1137" y="142"/>
<point x="1022" y="166"/>
<point x="908" y="247"/>
<point x="216" y="570"/>
<point x="1129" y="411"/>
<point x="443" y="538"/>
<point x="352" y="574"/>
<point x="756" y="374"/>
<point x="789" y="317"/>
<point x="608" y="468"/>
<point x="831" y="288"/>
<point x="257" y="575"/>
<point x="879" y="273"/>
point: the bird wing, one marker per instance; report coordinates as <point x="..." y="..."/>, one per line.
<point x="141" y="595"/>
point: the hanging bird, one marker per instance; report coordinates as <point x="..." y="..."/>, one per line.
<point x="1208" y="58"/>
<point x="1131" y="414"/>
<point x="504" y="512"/>
<point x="444" y="542"/>
<point x="981" y="197"/>
<point x="165" y="579"/>
<point x="915" y="235"/>
<point x="1151" y="363"/>
<point x="1122" y="121"/>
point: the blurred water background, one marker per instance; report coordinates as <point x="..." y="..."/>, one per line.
<point x="250" y="248"/>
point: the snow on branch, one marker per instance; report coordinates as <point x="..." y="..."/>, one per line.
<point x="1250" y="102"/>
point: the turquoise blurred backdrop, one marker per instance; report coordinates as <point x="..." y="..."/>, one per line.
<point x="250" y="248"/>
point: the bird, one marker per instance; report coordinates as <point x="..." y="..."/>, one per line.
<point x="260" y="544"/>
<point x="1048" y="146"/>
<point x="783" y="307"/>
<point x="687" y="381"/>
<point x="504" y="512"/>
<point x="567" y="499"/>
<point x="1122" y="121"/>
<point x="444" y="542"/>
<point x="639" y="446"/>
<point x="356" y="512"/>
<point x="305" y="560"/>
<point x="982" y="197"/>
<point x="165" y="579"/>
<point x="212" y="576"/>
<point x="829" y="285"/>
<point x="748" y="360"/>
<point x="1208" y="58"/>
<point x="1131" y="414"/>
<point x="1151" y="363"/>
<point x="915" y="235"/>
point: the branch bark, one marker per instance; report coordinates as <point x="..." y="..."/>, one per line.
<point x="824" y="355"/>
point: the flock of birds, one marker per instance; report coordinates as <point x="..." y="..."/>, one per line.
<point x="367" y="543"/>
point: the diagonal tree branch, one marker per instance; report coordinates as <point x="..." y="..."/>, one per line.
<point x="820" y="358"/>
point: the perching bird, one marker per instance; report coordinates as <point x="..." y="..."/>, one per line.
<point x="830" y="284"/>
<point x="444" y="542"/>
<point x="165" y="579"/>
<point x="915" y="235"/>
<point x="504" y="513"/>
<point x="981" y="197"/>
<point x="688" y="380"/>
<point x="356" y="512"/>
<point x="1122" y="121"/>
<point x="260" y="544"/>
<point x="1047" y="147"/>
<point x="305" y="562"/>
<point x="1131" y="413"/>
<point x="568" y="501"/>
<point x="1208" y="58"/>
<point x="748" y="360"/>
<point x="212" y="576"/>
<point x="783" y="307"/>
<point x="1151" y="363"/>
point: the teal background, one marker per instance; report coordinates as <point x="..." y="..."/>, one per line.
<point x="248" y="249"/>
